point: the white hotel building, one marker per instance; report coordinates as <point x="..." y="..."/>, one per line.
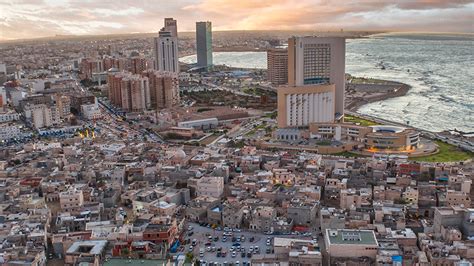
<point x="316" y="81"/>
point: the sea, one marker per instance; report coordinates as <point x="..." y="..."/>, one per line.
<point x="438" y="67"/>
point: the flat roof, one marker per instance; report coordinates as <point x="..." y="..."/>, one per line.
<point x="283" y="242"/>
<point x="128" y="262"/>
<point x="97" y="246"/>
<point x="351" y="237"/>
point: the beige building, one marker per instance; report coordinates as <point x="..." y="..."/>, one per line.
<point x="262" y="218"/>
<point x="318" y="60"/>
<point x="277" y="66"/>
<point x="71" y="199"/>
<point x="302" y="105"/>
<point x="339" y="131"/>
<point x="212" y="186"/>
<point x="457" y="198"/>
<point x="351" y="198"/>
<point x="347" y="243"/>
<point x="410" y="195"/>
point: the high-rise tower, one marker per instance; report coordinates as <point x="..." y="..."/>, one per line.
<point x="204" y="43"/>
<point x="316" y="81"/>
<point x="166" y="47"/>
<point x="318" y="60"/>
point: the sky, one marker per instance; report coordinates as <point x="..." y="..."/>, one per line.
<point x="21" y="19"/>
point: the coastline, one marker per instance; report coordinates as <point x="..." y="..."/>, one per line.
<point x="358" y="95"/>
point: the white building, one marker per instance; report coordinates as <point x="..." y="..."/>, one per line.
<point x="200" y="123"/>
<point x="210" y="186"/>
<point x="91" y="111"/>
<point x="40" y="115"/>
<point x="318" y="60"/>
<point x="166" y="47"/>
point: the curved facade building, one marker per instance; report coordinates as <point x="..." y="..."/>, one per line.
<point x="392" y="137"/>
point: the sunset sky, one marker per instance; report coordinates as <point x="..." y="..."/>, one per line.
<point x="41" y="18"/>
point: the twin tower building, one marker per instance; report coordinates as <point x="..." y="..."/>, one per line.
<point x="166" y="46"/>
<point x="312" y="83"/>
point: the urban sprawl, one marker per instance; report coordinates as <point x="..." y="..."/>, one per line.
<point x="112" y="152"/>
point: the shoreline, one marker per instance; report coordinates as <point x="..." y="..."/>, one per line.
<point x="358" y="95"/>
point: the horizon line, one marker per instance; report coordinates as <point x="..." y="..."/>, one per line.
<point x="59" y="36"/>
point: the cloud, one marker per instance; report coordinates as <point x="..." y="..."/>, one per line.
<point x="39" y="18"/>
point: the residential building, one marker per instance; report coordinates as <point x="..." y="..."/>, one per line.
<point x="41" y="115"/>
<point x="71" y="199"/>
<point x="129" y="92"/>
<point x="277" y="66"/>
<point x="164" y="89"/>
<point x="212" y="186"/>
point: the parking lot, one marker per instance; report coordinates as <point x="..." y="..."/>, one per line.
<point x="210" y="249"/>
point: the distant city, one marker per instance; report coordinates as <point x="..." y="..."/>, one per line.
<point x="116" y="151"/>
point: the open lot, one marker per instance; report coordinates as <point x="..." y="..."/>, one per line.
<point x="201" y="234"/>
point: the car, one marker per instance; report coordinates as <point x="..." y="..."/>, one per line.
<point x="190" y="228"/>
<point x="267" y="251"/>
<point x="209" y="238"/>
<point x="213" y="249"/>
<point x="191" y="248"/>
<point x="242" y="249"/>
<point x="236" y="244"/>
<point x="249" y="254"/>
<point x="234" y="239"/>
<point x="208" y="244"/>
<point x="224" y="254"/>
<point x="224" y="239"/>
<point x="232" y="249"/>
<point x="237" y="263"/>
<point x="242" y="255"/>
<point x="201" y="254"/>
<point x="219" y="249"/>
<point x="250" y="249"/>
<point x="233" y="254"/>
<point x="218" y="254"/>
<point x="242" y="238"/>
<point x="194" y="242"/>
<point x="208" y="249"/>
<point x="190" y="233"/>
<point x="216" y="238"/>
<point x="252" y="239"/>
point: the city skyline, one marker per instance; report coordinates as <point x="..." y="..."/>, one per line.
<point x="29" y="19"/>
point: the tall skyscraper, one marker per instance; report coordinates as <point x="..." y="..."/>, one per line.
<point x="277" y="66"/>
<point x="166" y="47"/>
<point x="318" y="60"/>
<point x="204" y="43"/>
<point x="316" y="81"/>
